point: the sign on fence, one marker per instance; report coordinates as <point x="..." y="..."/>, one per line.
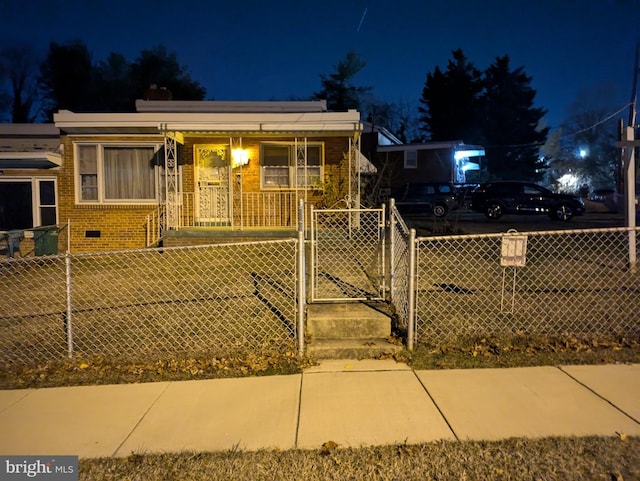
<point x="514" y="250"/>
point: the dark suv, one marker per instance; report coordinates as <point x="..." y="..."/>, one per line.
<point x="437" y="198"/>
<point x="496" y="198"/>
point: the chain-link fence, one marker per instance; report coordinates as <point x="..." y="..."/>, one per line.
<point x="223" y="299"/>
<point x="347" y="254"/>
<point x="37" y="241"/>
<point x="562" y="282"/>
<point x="150" y="304"/>
<point x="400" y="246"/>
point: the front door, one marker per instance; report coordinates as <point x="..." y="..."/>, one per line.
<point x="213" y="206"/>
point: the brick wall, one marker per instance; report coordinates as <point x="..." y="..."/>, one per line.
<point x="99" y="227"/>
<point x="114" y="227"/>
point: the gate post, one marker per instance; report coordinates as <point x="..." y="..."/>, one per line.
<point x="411" y="295"/>
<point x="302" y="276"/>
<point x="312" y="254"/>
<point x="392" y="247"/>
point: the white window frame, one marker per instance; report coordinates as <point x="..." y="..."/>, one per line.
<point x="101" y="200"/>
<point x="292" y="166"/>
<point x="410" y="159"/>
<point x="36" y="203"/>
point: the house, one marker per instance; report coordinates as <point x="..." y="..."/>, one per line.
<point x="181" y="172"/>
<point x="407" y="164"/>
<point x="30" y="161"/>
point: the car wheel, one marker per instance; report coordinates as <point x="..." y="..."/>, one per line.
<point x="440" y="210"/>
<point x="563" y="212"/>
<point x="493" y="211"/>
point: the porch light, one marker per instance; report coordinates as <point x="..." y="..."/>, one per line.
<point x="239" y="157"/>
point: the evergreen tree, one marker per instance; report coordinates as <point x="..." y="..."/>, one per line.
<point x="339" y="89"/>
<point x="161" y="68"/>
<point x="69" y="79"/>
<point x="116" y="92"/>
<point x="494" y="109"/>
<point x="450" y="108"/>
<point x="512" y="134"/>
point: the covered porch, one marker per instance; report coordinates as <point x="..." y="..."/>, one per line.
<point x="237" y="175"/>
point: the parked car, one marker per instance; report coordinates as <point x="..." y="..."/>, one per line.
<point x="504" y="197"/>
<point x="437" y="198"/>
<point x="463" y="193"/>
<point x="599" y="195"/>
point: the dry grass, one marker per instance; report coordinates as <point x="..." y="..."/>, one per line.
<point x="460" y="353"/>
<point x="520" y="351"/>
<point x="589" y="458"/>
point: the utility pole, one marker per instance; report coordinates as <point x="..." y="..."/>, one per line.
<point x="629" y="144"/>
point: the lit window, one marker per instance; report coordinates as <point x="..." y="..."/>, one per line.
<point x="284" y="168"/>
<point x="109" y="173"/>
<point x="411" y="159"/>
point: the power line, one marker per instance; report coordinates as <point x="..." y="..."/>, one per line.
<point x="600" y="122"/>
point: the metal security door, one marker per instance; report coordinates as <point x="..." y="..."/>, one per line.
<point x="347" y="254"/>
<point x="213" y="185"/>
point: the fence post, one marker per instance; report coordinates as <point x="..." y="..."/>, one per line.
<point x="302" y="278"/>
<point x="411" y="294"/>
<point x="312" y="254"/>
<point x="392" y="247"/>
<point x="382" y="231"/>
<point x="69" y="314"/>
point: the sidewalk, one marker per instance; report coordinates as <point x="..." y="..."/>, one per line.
<point x="353" y="403"/>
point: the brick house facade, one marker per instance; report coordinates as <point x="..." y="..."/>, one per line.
<point x="119" y="182"/>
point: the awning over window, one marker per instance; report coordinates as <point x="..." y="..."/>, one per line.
<point x="29" y="160"/>
<point x="364" y="165"/>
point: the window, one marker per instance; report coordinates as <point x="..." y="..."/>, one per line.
<point x="28" y="202"/>
<point x="109" y="173"/>
<point x="282" y="169"/>
<point x="411" y="159"/>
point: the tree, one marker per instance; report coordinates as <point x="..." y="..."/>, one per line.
<point x="68" y="80"/>
<point x="512" y="131"/>
<point x="19" y="96"/>
<point x="494" y="109"/>
<point x="161" y="68"/>
<point x="587" y="144"/>
<point x="450" y="107"/>
<point x="338" y="88"/>
<point x="116" y="90"/>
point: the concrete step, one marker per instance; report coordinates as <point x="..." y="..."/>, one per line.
<point x="351" y="348"/>
<point x="352" y="320"/>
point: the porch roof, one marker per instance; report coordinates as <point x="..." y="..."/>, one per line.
<point x="207" y="122"/>
<point x="454" y="145"/>
<point x="29" y="160"/>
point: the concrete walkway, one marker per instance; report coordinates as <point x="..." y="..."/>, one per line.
<point x="353" y="403"/>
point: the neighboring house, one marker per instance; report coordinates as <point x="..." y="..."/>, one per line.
<point x="30" y="160"/>
<point x="429" y="162"/>
<point x="184" y="171"/>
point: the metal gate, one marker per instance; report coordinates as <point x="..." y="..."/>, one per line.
<point x="347" y="254"/>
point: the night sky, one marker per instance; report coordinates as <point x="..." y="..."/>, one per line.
<point x="276" y="49"/>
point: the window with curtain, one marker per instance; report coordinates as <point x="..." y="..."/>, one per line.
<point x="282" y="170"/>
<point x="116" y="173"/>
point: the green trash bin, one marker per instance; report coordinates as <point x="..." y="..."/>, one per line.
<point x="45" y="240"/>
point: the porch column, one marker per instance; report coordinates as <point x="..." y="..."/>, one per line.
<point x="301" y="162"/>
<point x="172" y="187"/>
